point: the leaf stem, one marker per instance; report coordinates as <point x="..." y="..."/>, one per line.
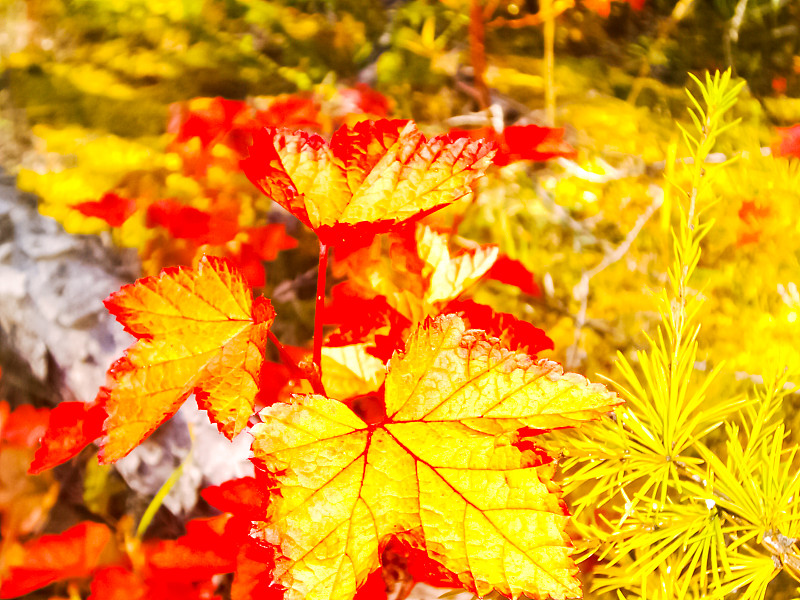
<point x="320" y="307"/>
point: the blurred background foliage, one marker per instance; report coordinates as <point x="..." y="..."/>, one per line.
<point x="85" y="107"/>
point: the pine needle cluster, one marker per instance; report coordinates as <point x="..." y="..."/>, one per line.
<point x="664" y="508"/>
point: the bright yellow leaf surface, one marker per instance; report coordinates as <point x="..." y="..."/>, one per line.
<point x="450" y="276"/>
<point x="349" y="371"/>
<point x="199" y="331"/>
<point x="442" y="471"/>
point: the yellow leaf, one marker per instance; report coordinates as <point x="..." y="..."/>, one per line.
<point x="349" y="371"/>
<point x="442" y="471"/>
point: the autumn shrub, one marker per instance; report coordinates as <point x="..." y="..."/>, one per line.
<point x="378" y="305"/>
<point x="418" y="423"/>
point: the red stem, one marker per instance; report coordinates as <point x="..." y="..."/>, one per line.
<point x="320" y="307"/>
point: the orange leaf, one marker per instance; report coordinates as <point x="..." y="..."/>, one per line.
<point x="370" y="177"/>
<point x="199" y="332"/>
<point x="442" y="472"/>
<point x="73" y="553"/>
<point x="24" y="426"/>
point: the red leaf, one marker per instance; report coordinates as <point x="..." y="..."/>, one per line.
<point x="374" y="588"/>
<point x="182" y="222"/>
<point x="72" y="427"/>
<point x="119" y="583"/>
<point x="532" y="142"/>
<point x="209" y="547"/>
<point x="113" y="209"/>
<point x="510" y="271"/>
<point x="203" y="118"/>
<point x="272" y="380"/>
<point x="521" y="142"/>
<point x="368" y="101"/>
<point x="242" y="497"/>
<point x="259" y="244"/>
<point x="517" y="334"/>
<point x="253" y="578"/>
<point x="290" y="111"/>
<point x="268" y="240"/>
<point x="74" y="553"/>
<point x="359" y="317"/>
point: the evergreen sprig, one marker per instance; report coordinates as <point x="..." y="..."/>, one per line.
<point x="668" y="513"/>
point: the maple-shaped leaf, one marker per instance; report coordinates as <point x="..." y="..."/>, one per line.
<point x="74" y="553"/>
<point x="72" y="427"/>
<point x="370" y="178"/>
<point x="199" y="331"/>
<point x="442" y="471"/>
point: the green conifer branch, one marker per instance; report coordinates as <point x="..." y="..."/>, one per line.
<point x="650" y="495"/>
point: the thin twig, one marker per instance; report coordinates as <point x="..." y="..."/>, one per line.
<point x="581" y="290"/>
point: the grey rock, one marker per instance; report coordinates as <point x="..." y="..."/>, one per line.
<point x="52" y="318"/>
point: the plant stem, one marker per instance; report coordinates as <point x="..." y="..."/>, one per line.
<point x="549" y="61"/>
<point x="320" y="308"/>
<point x="158" y="499"/>
<point x="477" y="51"/>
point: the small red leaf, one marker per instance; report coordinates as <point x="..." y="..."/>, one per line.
<point x="517" y="334"/>
<point x="253" y="579"/>
<point x="513" y="272"/>
<point x="112" y="208"/>
<point x="72" y="427"/>
<point x="521" y="142"/>
<point x="182" y="222"/>
<point x="243" y="497"/>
